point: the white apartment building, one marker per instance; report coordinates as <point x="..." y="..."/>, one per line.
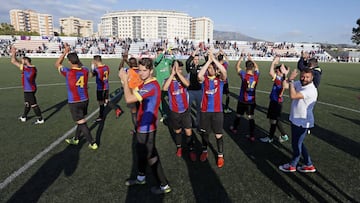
<point x="31" y="21"/>
<point x="76" y="26"/>
<point x="202" y="29"/>
<point x="146" y="24"/>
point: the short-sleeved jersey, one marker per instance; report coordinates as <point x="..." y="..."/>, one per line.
<point x="149" y="95"/>
<point x="76" y="83"/>
<point x="178" y="97"/>
<point x="277" y="90"/>
<point x="134" y="80"/>
<point x="102" y="77"/>
<point x="28" y="77"/>
<point x="248" y="87"/>
<point x="162" y="68"/>
<point x="212" y="92"/>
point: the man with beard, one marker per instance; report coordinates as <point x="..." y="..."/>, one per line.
<point x="304" y="95"/>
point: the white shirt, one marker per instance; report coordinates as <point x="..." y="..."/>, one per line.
<point x="301" y="112"/>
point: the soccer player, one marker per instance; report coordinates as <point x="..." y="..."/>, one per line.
<point x="303" y="94"/>
<point x="149" y="96"/>
<point x="212" y="77"/>
<point x="221" y="56"/>
<point x="278" y="75"/>
<point x="76" y="77"/>
<point x="180" y="116"/>
<point x="101" y="72"/>
<point x="162" y="71"/>
<point x="134" y="81"/>
<point x="193" y="67"/>
<point x="28" y="76"/>
<point x="246" y="100"/>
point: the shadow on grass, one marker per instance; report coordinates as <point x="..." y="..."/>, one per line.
<point x="205" y="183"/>
<point x="56" y="108"/>
<point x="65" y="161"/>
<point x="266" y="156"/>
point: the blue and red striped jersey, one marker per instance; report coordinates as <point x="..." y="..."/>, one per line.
<point x="277" y="90"/>
<point x="212" y="92"/>
<point x="28" y="77"/>
<point x="76" y="83"/>
<point x="149" y="95"/>
<point x="178" y="97"/>
<point x="248" y="86"/>
<point x="102" y="77"/>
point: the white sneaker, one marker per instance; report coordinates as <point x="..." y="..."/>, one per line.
<point x="38" y="121"/>
<point x="22" y="119"/>
<point x="266" y="139"/>
<point x="227" y="111"/>
<point x="283" y="138"/>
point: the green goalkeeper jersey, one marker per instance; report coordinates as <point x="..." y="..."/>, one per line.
<point x="162" y="68"/>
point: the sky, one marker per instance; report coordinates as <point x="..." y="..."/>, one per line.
<point x="278" y="21"/>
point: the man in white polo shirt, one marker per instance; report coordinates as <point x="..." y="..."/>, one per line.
<point x="304" y="95"/>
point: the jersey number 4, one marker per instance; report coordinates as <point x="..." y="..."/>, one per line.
<point x="80" y="82"/>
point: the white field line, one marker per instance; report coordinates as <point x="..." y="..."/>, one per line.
<point x="48" y="85"/>
<point x="40" y="155"/>
<point x="60" y="139"/>
<point x="318" y="102"/>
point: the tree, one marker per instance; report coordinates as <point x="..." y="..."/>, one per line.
<point x="356" y="33"/>
<point x="6" y="29"/>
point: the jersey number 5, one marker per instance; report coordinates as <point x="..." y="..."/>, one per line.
<point x="80" y="82"/>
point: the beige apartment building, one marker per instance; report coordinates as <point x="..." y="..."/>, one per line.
<point x="32" y="21"/>
<point x="76" y="27"/>
<point x="202" y="29"/>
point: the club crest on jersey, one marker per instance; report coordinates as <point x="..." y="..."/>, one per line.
<point x="211" y="92"/>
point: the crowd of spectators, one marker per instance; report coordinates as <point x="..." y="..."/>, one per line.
<point x="181" y="47"/>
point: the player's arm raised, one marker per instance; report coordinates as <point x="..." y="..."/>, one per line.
<point x="272" y="67"/>
<point x="238" y="63"/>
<point x="204" y="68"/>
<point x="59" y="61"/>
<point x="14" y="60"/>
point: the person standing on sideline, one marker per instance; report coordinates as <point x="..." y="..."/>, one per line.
<point x="76" y="77"/>
<point x="101" y="72"/>
<point x="212" y="77"/>
<point x="279" y="77"/>
<point x="246" y="100"/>
<point x="134" y="81"/>
<point x="162" y="71"/>
<point x="28" y="76"/>
<point x="306" y="62"/>
<point x="180" y="117"/>
<point x="149" y="96"/>
<point x="221" y="56"/>
<point x="303" y="94"/>
<point x="192" y="68"/>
